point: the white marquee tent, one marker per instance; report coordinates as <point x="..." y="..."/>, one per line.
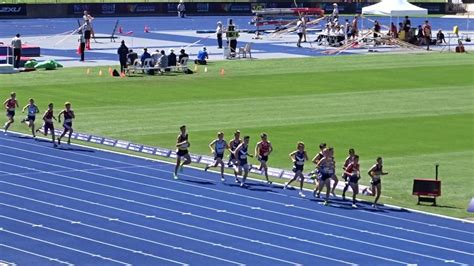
<point x="394" y="8"/>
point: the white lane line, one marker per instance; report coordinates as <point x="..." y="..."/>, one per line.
<point x="85" y="238"/>
<point x="132" y="224"/>
<point x="244" y="216"/>
<point x="3" y="230"/>
<point x="232" y="203"/>
<point x="35" y="254"/>
<point x="173" y="222"/>
<point x="263" y="200"/>
<point x="70" y="170"/>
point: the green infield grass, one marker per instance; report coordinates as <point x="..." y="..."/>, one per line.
<point x="413" y="110"/>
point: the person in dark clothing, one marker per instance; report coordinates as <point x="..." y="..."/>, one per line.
<point x="407" y="24"/>
<point x="132" y="56"/>
<point x="122" y="51"/>
<point x="171" y="58"/>
<point x="82" y="46"/>
<point x="16" y="45"/>
<point x="232" y="35"/>
<point x="182" y="54"/>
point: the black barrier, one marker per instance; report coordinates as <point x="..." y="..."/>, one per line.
<point x="427" y="190"/>
<point x="7" y="10"/>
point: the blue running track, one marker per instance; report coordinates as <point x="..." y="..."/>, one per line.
<point x="76" y="205"/>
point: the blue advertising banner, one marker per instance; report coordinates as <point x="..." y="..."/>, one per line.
<point x="7" y="10"/>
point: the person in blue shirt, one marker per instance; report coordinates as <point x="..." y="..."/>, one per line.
<point x="145" y="55"/>
<point x="201" y="57"/>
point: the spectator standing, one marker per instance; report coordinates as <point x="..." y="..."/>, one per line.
<point x="122" y="51"/>
<point x="406" y="24"/>
<point x="299" y="31"/>
<point x="181" y="9"/>
<point x="232" y="35"/>
<point x="335" y="12"/>
<point x="427" y="34"/>
<point x="201" y="57"/>
<point x="171" y="58"/>
<point x="393" y="31"/>
<point x="16" y="44"/>
<point x="82" y="46"/>
<point x="355" y="27"/>
<point x="219" y="31"/>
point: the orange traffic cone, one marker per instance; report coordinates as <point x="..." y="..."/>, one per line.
<point x="110" y="71"/>
<point x="222" y="72"/>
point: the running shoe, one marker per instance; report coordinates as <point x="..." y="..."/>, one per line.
<point x="354" y="206"/>
<point x="302" y="194"/>
<point x="175" y="176"/>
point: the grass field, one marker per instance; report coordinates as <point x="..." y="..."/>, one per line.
<point x="414" y="110"/>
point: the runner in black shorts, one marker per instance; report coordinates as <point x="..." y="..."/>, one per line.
<point x="10" y="104"/>
<point x="326" y="171"/>
<point x="241" y="154"/>
<point x="68" y="117"/>
<point x="352" y="173"/>
<point x="182" y="145"/>
<point x="218" y="147"/>
<point x="375" y="172"/>
<point x="263" y="150"/>
<point x="233" y="144"/>
<point x="31" y="117"/>
<point x="348" y="160"/>
<point x="298" y="157"/>
<point x="48" y="123"/>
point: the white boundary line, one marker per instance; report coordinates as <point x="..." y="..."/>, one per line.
<point x="249" y="178"/>
<point x="233" y="224"/>
<point x="161" y="231"/>
<point x="249" y="217"/>
<point x="34" y="254"/>
<point x="110" y="231"/>
<point x="54" y="244"/>
<point x="199" y="187"/>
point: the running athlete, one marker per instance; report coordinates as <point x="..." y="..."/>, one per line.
<point x="10" y="104"/>
<point x="326" y="171"/>
<point x="48" y="123"/>
<point x="298" y="157"/>
<point x="375" y="172"/>
<point x="241" y="153"/>
<point x="348" y="160"/>
<point x="315" y="173"/>
<point x="233" y="144"/>
<point x="218" y="147"/>
<point x="68" y="117"/>
<point x="30" y="118"/>
<point x="352" y="172"/>
<point x="263" y="150"/>
<point x="182" y="145"/>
